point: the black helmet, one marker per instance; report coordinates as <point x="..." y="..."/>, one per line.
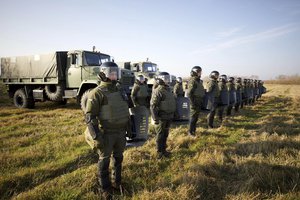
<point x="214" y="75"/>
<point x="179" y="79"/>
<point x="140" y="78"/>
<point x="238" y="79"/>
<point x="165" y="77"/>
<point x="223" y="78"/>
<point x="231" y="79"/>
<point x="195" y="70"/>
<point x="109" y="70"/>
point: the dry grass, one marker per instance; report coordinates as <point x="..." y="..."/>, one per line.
<point x="253" y="155"/>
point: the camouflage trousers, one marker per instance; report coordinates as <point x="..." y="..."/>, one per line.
<point x="113" y="144"/>
<point x="162" y="133"/>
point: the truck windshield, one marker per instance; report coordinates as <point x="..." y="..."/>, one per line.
<point x="149" y="67"/>
<point x="95" y="59"/>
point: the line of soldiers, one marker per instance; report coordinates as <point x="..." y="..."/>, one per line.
<point x="221" y="95"/>
<point x="109" y="121"/>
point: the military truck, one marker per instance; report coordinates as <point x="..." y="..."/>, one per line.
<point x="56" y="76"/>
<point x="146" y="68"/>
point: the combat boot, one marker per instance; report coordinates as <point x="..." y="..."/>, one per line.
<point x="106" y="194"/>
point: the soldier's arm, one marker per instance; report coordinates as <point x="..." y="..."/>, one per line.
<point x="175" y="90"/>
<point x="92" y="110"/>
<point x="154" y="103"/>
<point x="133" y="94"/>
<point x="191" y="89"/>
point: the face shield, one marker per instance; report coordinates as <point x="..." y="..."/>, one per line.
<point x="140" y="78"/>
<point x="166" y="78"/>
<point x="111" y="72"/>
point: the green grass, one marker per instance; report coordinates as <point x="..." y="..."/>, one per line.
<point x="254" y="154"/>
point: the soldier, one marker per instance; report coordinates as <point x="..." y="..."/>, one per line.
<point x="139" y="92"/>
<point x="107" y="118"/>
<point x="245" y="92"/>
<point x="232" y="95"/>
<point x="196" y="93"/>
<point x="239" y="93"/>
<point x="223" y="98"/>
<point x="178" y="88"/>
<point x="213" y="97"/>
<point x="250" y="91"/>
<point x="162" y="107"/>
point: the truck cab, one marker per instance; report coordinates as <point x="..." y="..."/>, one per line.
<point x="83" y="66"/>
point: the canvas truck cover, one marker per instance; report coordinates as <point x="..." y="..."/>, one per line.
<point x="44" y="68"/>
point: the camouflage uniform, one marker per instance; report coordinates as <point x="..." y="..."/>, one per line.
<point x="162" y="106"/>
<point x="231" y="90"/>
<point x="239" y="94"/>
<point x="139" y="94"/>
<point x="196" y="93"/>
<point x="107" y="116"/>
<point x="178" y="90"/>
<point x="221" y="105"/>
<point x="213" y="93"/>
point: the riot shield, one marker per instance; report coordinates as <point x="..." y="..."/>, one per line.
<point x="182" y="108"/>
<point x="140" y="120"/>
<point x="232" y="97"/>
<point x="238" y="97"/>
<point x="224" y="97"/>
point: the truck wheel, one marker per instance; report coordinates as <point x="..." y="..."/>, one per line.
<point x="83" y="100"/>
<point x="54" y="92"/>
<point x="21" y="101"/>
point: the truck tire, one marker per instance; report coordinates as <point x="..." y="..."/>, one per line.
<point x="54" y="92"/>
<point x="21" y="101"/>
<point x="84" y="99"/>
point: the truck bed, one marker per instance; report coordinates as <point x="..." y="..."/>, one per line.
<point x="46" y="68"/>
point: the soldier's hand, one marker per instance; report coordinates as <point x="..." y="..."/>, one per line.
<point x="99" y="142"/>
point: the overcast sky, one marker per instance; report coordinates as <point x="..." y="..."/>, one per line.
<point x="235" y="37"/>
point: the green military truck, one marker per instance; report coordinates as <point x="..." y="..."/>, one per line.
<point x="146" y="68"/>
<point x="56" y="76"/>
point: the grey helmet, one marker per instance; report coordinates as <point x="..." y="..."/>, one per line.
<point x="195" y="70"/>
<point x="109" y="70"/>
<point x="140" y="78"/>
<point x="214" y="75"/>
<point x="164" y="77"/>
<point x="179" y="79"/>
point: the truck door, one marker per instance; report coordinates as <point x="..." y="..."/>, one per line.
<point x="74" y="74"/>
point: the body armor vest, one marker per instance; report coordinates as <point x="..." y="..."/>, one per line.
<point x="115" y="114"/>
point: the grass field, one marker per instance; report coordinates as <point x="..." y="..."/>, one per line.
<point x="253" y="155"/>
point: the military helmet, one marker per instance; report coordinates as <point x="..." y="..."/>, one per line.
<point x="165" y="77"/>
<point x="196" y="70"/>
<point x="109" y="70"/>
<point x="238" y="79"/>
<point x="140" y="78"/>
<point x="179" y="79"/>
<point x="231" y="79"/>
<point x="223" y="78"/>
<point x="214" y="75"/>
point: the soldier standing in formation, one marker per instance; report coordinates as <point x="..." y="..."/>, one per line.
<point x="178" y="88"/>
<point x="139" y="92"/>
<point x="162" y="107"/>
<point x="239" y="92"/>
<point x="196" y="93"/>
<point x="223" y="97"/>
<point x="213" y="94"/>
<point x="107" y="118"/>
<point x="232" y="95"/>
